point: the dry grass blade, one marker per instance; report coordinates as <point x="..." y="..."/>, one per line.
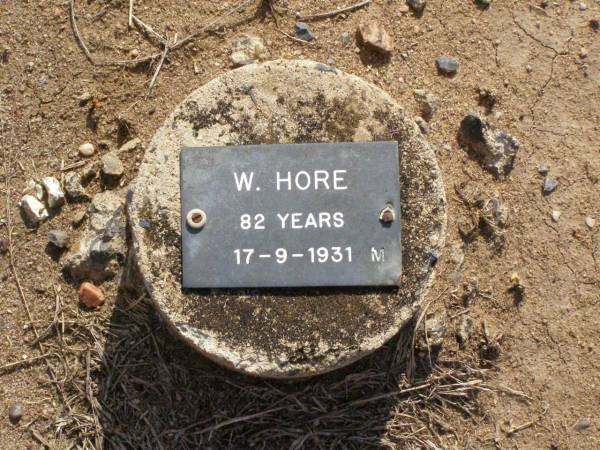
<point x="166" y="396"/>
<point x="328" y="14"/>
<point x="152" y="57"/>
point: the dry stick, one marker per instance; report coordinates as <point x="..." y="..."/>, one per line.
<point x="158" y="67"/>
<point x="518" y="428"/>
<point x="148" y="29"/>
<point x="238" y="419"/>
<point x="130" y="13"/>
<point x="88" y="55"/>
<point x="24" y="362"/>
<point x="144" y="59"/>
<point x="302" y="41"/>
<point x="75" y="165"/>
<point x="328" y="14"/>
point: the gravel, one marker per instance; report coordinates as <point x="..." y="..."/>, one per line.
<point x="59" y="239"/>
<point x="417" y="5"/>
<point x="303" y="32"/>
<point x="446" y="65"/>
<point x="87" y="149"/>
<point x="549" y="185"/>
<point x="15" y="412"/>
<point x="495" y="149"/>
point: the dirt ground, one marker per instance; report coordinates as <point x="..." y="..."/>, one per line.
<point x="114" y="378"/>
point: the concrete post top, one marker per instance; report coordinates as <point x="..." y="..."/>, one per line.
<point x="285" y="333"/>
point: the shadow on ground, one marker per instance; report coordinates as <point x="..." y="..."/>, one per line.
<point x="154" y="392"/>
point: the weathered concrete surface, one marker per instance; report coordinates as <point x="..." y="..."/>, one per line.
<point x="284" y="332"/>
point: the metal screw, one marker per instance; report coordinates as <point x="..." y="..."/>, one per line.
<point x="387" y="215"/>
<point x="196" y="218"/>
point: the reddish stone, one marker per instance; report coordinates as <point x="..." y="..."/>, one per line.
<point x="3" y="246"/>
<point x="375" y="36"/>
<point x="91" y="295"/>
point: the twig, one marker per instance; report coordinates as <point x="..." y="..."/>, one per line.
<point x="509" y="391"/>
<point x="75" y="165"/>
<point x="148" y="29"/>
<point x="158" y="67"/>
<point x="23" y="362"/>
<point x="293" y="38"/>
<point x="325" y="15"/>
<point x="80" y="41"/>
<point x="239" y="419"/>
<point x="150" y="58"/>
<point x="130" y="13"/>
<point x="518" y="428"/>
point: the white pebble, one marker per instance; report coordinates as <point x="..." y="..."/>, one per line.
<point x="590" y="222"/>
<point x="35" y="189"/>
<point x="56" y="196"/>
<point x="555" y="215"/>
<point x="87" y="149"/>
<point x="34" y="210"/>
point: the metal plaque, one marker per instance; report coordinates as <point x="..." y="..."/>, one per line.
<point x="291" y="215"/>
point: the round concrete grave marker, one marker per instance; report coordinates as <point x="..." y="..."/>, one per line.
<point x="285" y="332"/>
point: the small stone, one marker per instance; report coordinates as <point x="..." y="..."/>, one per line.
<point x="549" y="185"/>
<point x="435" y="330"/>
<point x="427" y="103"/>
<point x="90" y="295"/>
<point x="595" y="24"/>
<point x="87" y="149"/>
<point x="112" y="170"/>
<point x="446" y="65"/>
<point x="35" y="189"/>
<point x="583" y="53"/>
<point x="303" y="32"/>
<point x="4" y="247"/>
<point x="59" y="239"/>
<point x="583" y="425"/>
<point x="78" y="217"/>
<point x="495" y="149"/>
<point x="84" y="98"/>
<point x="15" y="412"/>
<point x="555" y="215"/>
<point x="582" y="6"/>
<point x="130" y="145"/>
<point x="54" y="192"/>
<point x="403" y="8"/>
<point x="375" y="36"/>
<point x="417" y="5"/>
<point x="73" y="187"/>
<point x="105" y="144"/>
<point x="34" y="210"/>
<point x="464" y="331"/>
<point x="90" y="172"/>
<point x="487" y="98"/>
<point x="543" y="169"/>
<point x="247" y="50"/>
<point x="345" y="38"/>
<point x="239" y="59"/>
<point x="590" y="222"/>
<point x="423" y="125"/>
<point x="101" y="247"/>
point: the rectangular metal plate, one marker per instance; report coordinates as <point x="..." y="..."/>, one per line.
<point x="291" y="215"/>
